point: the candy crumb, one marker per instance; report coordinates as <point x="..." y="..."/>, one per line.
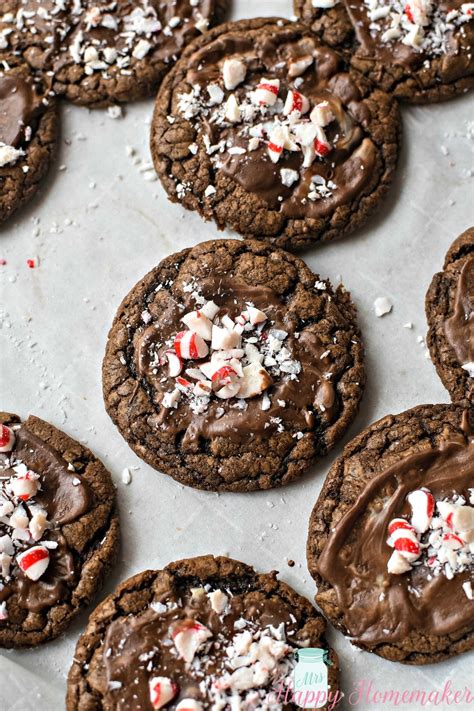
<point x="382" y="306"/>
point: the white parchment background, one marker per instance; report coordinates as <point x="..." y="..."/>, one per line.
<point x="97" y="228"/>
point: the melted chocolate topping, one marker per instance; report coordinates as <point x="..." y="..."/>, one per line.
<point x="459" y="328"/>
<point x="395" y="51"/>
<point x="19" y="107"/>
<point x="311" y="389"/>
<point x="63" y="502"/>
<point x="137" y="648"/>
<point x="351" y="162"/>
<point x="379" y="608"/>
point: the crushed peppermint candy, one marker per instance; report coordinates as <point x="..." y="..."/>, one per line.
<point x="220" y="357"/>
<point x="23" y="521"/>
<point x="232" y="662"/>
<point x="423" y="25"/>
<point x="264" y="117"/>
<point x="439" y="536"/>
<point x="99" y="37"/>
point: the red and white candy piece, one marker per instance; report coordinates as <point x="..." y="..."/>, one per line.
<point x="255" y="380"/>
<point x="34" y="561"/>
<point x="403" y="539"/>
<point x="422" y="509"/>
<point x="190" y="345"/>
<point x="223" y="376"/>
<point x="162" y="690"/>
<point x="446" y="511"/>
<point x="321" y="144"/>
<point x="7" y="439"/>
<point x="188" y="637"/>
<point x="25" y="486"/>
<point x="199" y="323"/>
<point x="322" y="115"/>
<point x="233" y="72"/>
<point x="295" y="102"/>
<point x="416" y="12"/>
<point x="175" y="364"/>
<point x="189" y="705"/>
<point x="452" y="541"/>
<point x="267" y="91"/>
<point x="279" y="140"/>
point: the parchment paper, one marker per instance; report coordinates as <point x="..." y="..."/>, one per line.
<point x="98" y="227"/>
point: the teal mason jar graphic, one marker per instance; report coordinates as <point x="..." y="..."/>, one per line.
<point x="310" y="678"/>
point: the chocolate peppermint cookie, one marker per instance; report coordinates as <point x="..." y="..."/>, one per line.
<point x="202" y="633"/>
<point x="28" y="134"/>
<point x="231" y="366"/>
<point x="420" y="50"/>
<point x="101" y="52"/>
<point x="450" y="314"/>
<point x="58" y="530"/>
<point x="263" y="129"/>
<point x="391" y="538"/>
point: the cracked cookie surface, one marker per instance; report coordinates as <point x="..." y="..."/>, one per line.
<point x="294" y="377"/>
<point x="393" y="565"/>
<point x="59" y="530"/>
<point x="450" y="315"/>
<point x="28" y="135"/>
<point x="100" y="52"/>
<point x="263" y="129"/>
<point x="197" y="631"/>
<point x="421" y="52"/>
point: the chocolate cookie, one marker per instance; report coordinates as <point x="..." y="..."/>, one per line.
<point x="28" y="135"/>
<point x="263" y="129"/>
<point x="231" y="366"/>
<point x="421" y="51"/>
<point x="202" y="633"/>
<point x="450" y="314"/>
<point x="391" y="538"/>
<point x="102" y="52"/>
<point x="58" y="530"/>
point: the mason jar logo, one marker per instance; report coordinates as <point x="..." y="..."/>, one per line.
<point x="310" y="678"/>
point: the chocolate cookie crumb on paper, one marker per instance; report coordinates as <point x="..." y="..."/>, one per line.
<point x="231" y="366"/>
<point x="421" y="51"/>
<point x="196" y="635"/>
<point x="390" y="541"/>
<point x="450" y="314"/>
<point x="263" y="129"/>
<point x="59" y="530"/>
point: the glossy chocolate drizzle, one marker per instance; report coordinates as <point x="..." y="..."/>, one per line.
<point x="313" y="388"/>
<point x="136" y="648"/>
<point x="379" y="608"/>
<point x="64" y="503"/>
<point x="459" y="328"/>
<point x="349" y="165"/>
<point x="19" y="107"/>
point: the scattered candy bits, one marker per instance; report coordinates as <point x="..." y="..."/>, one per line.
<point x="423" y="25"/>
<point x="440" y="536"/>
<point x="236" y="358"/>
<point x="267" y="118"/>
